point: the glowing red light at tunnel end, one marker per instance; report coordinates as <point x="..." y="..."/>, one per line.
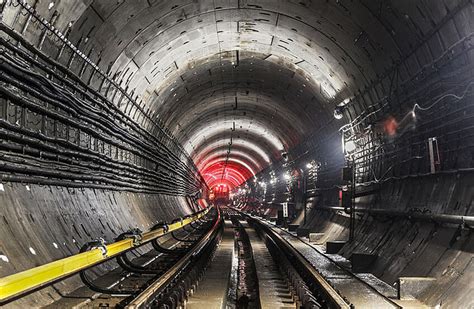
<point x="229" y="174"/>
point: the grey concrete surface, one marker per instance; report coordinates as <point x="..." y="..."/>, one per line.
<point x="211" y="292"/>
<point x="274" y="291"/>
<point x="261" y="76"/>
<point x="42" y="224"/>
<point x="356" y="291"/>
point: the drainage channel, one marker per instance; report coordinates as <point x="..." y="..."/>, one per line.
<point x="210" y="292"/>
<point x="259" y="282"/>
<point x="248" y="295"/>
<point x="243" y="272"/>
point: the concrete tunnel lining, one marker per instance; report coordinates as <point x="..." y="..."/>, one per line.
<point x="287" y="64"/>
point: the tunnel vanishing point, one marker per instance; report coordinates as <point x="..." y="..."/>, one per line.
<point x="346" y="126"/>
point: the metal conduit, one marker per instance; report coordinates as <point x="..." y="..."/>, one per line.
<point x="28" y="280"/>
<point x="438" y="218"/>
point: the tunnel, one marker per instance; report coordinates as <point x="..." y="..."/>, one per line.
<point x="347" y="124"/>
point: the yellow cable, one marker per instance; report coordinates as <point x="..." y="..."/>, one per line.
<point x="30" y="279"/>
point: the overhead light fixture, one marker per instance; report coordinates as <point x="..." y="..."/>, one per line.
<point x="339" y="109"/>
<point x="350" y="146"/>
<point x="338" y="112"/>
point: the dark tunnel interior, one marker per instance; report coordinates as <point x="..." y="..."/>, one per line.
<point x="120" y="114"/>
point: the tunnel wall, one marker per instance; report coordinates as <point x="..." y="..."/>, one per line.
<point x="56" y="221"/>
<point x="407" y="248"/>
<point x="68" y="131"/>
<point x="405" y="244"/>
<point x="407" y="241"/>
<point x="80" y="157"/>
<point x="426" y="92"/>
<point x="414" y="52"/>
<point x="65" y="122"/>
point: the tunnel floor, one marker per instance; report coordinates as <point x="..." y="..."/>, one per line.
<point x="247" y="270"/>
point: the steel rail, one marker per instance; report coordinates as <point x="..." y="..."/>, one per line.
<point x="295" y="253"/>
<point x="26" y="281"/>
<point x="334" y="299"/>
<point x="150" y="293"/>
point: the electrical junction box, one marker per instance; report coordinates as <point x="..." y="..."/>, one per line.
<point x="347" y="173"/>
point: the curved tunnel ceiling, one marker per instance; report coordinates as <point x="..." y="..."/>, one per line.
<point x="240" y="82"/>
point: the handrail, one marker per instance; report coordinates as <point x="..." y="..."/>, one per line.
<point x="28" y="280"/>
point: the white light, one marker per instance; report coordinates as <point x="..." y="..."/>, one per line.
<point x="212" y="129"/>
<point x="32" y="251"/>
<point x="286" y="176"/>
<point x="222" y="159"/>
<point x="338" y="115"/>
<point x="350" y="146"/>
<point x="309" y="165"/>
<point x="339" y="109"/>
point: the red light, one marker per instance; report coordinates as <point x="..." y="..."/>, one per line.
<point x="390" y="126"/>
<point x="227" y="175"/>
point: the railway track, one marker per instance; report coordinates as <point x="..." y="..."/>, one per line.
<point x="163" y="280"/>
<point x="256" y="265"/>
<point x="137" y="262"/>
<point x="281" y="280"/>
<point x="170" y="290"/>
<point x="320" y="282"/>
<point x="309" y="284"/>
